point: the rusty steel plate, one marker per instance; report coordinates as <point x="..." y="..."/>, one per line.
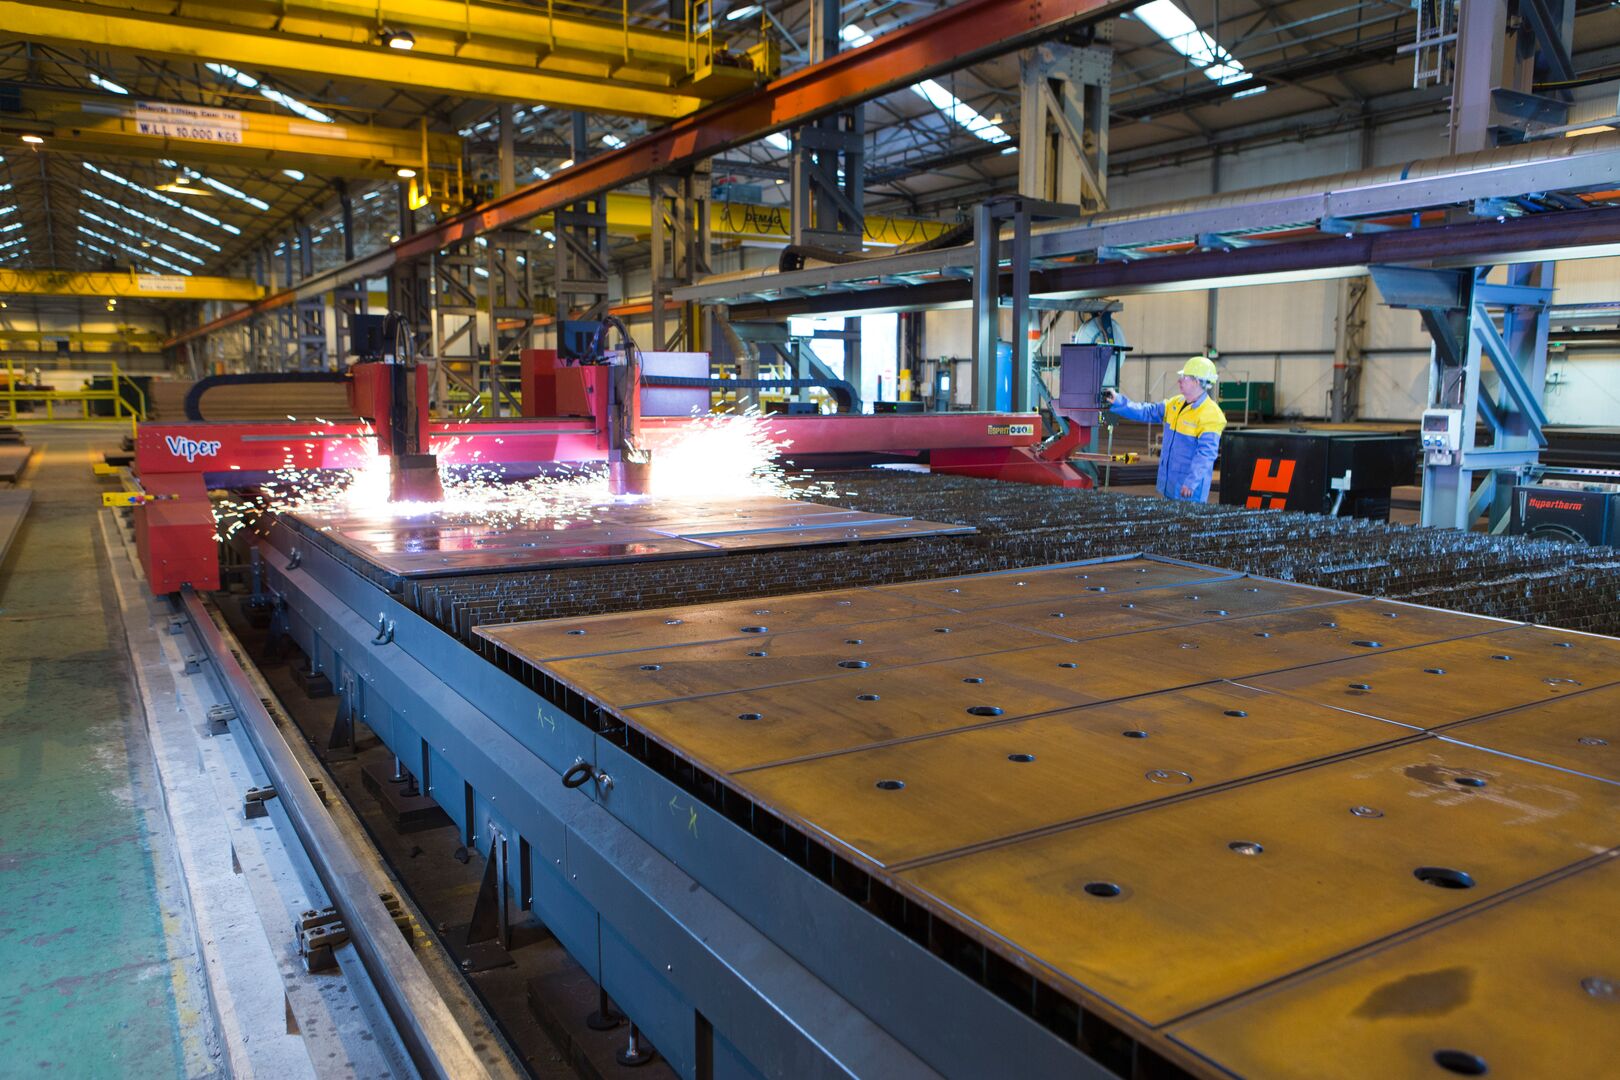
<point x="742" y="619"/>
<point x="1528" y="987"/>
<point x="727" y="732"/>
<point x="922" y="798"/>
<point x="1580" y="732"/>
<point x="1434" y="685"/>
<point x="1098" y="615"/>
<point x="455" y="542"/>
<point x="645" y="676"/>
<point x="1179" y="907"/>
<point x="1068" y="581"/>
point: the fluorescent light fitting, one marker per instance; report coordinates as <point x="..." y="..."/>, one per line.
<point x="294" y="173"/>
<point x="405" y="174"/>
<point x="241" y="78"/>
<point x="220" y="185"/>
<point x="612" y="140"/>
<point x="742" y="12"/>
<point x="33" y="140"/>
<point x="954" y="108"/>
<point x="1178" y="30"/>
<point x="569" y="164"/>
<point x="107" y="84"/>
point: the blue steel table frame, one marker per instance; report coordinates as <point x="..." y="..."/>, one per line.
<point x="732" y="960"/>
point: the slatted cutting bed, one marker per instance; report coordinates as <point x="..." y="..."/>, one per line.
<point x="1186" y="819"/>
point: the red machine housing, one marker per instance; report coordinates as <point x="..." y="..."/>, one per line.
<point x="174" y="535"/>
<point x="566" y="422"/>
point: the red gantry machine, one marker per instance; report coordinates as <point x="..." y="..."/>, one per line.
<point x="575" y="413"/>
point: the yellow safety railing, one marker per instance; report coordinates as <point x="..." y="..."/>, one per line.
<point x="11" y="398"/>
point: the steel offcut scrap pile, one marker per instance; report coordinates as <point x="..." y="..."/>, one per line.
<point x="1019" y="525"/>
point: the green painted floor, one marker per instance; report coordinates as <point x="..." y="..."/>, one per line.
<point x="90" y="984"/>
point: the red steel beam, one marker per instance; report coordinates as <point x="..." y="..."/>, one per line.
<point x="952" y="38"/>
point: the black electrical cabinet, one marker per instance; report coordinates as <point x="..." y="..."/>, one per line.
<point x="1279" y="469"/>
<point x="1582" y="515"/>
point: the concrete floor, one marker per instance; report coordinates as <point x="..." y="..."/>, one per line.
<point x="88" y="904"/>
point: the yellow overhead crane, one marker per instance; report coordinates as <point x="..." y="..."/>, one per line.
<point x="141" y="286"/>
<point x="631" y="215"/>
<point x="134" y="127"/>
<point x="566" y="55"/>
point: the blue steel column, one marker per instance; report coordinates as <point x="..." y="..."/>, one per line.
<point x="986" y="303"/>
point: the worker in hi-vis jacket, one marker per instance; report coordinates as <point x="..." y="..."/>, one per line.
<point x="1192" y="430"/>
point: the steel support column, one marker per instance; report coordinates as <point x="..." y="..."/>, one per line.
<point x="1461" y="310"/>
<point x="309" y="313"/>
<point x="1349" y="348"/>
<point x="681" y="247"/>
<point x="582" y="272"/>
<point x="828" y="187"/>
<point x="987" y="294"/>
<point x="509" y="263"/>
<point x="1063" y="123"/>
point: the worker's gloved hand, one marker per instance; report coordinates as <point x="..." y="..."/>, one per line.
<point x="1109" y="396"/>
<point x="1186" y="491"/>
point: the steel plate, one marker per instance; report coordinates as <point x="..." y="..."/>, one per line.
<point x="558" y="638"/>
<point x="1440" y="684"/>
<point x="450" y="542"/>
<point x="1338" y="853"/>
<point x="757" y="661"/>
<point x="1529" y="987"/>
<point x="1579" y="732"/>
<point x="1055" y="582"/>
<point x="997" y="782"/>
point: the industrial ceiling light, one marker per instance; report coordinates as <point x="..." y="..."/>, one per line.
<point x="33" y="140"/>
<point x="399" y="39"/>
<point x="742" y="12"/>
<point x="181" y="186"/>
<point x="405" y="174"/>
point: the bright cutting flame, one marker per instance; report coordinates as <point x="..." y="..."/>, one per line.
<point x="718" y="458"/>
<point x="724" y="457"/>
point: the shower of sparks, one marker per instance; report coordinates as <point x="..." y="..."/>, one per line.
<point x="717" y="457"/>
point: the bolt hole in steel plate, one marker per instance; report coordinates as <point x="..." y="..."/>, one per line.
<point x="1022" y="759"/>
<point x="1444" y="877"/>
<point x="1461" y="1062"/>
<point x="890" y="785"/>
<point x="1135" y="733"/>
<point x="1169" y="776"/>
<point x="1245" y="847"/>
<point x="984" y="710"/>
<point x="1105" y="890"/>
